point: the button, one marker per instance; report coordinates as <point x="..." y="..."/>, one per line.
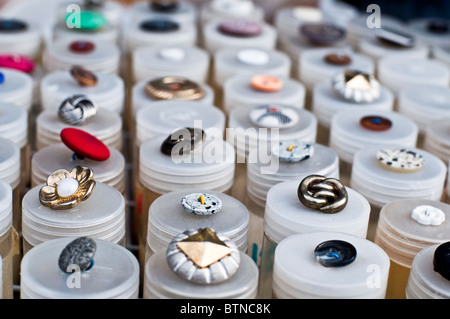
<point x="438" y="26"/>
<point x="335" y="253"/>
<point x="441" y="260"/>
<point x="356" y="86"/>
<point x="253" y="57"/>
<point x="293" y="151"/>
<point x="327" y="195"/>
<point x="185" y="139"/>
<point x="159" y="25"/>
<point x="376" y="123"/>
<point x="428" y="215"/>
<point x="232" y="7"/>
<point x="17" y="62"/>
<point x="201" y="204"/>
<point x="84" y="145"/>
<point x="322" y="33"/>
<point x="164" y="5"/>
<point x="274" y="116"/>
<point x="174" y="88"/>
<point x="83" y="76"/>
<point x="401" y="160"/>
<point x="82" y="47"/>
<point x="12" y="25"/>
<point x="78" y="252"/>
<point x="240" y="28"/>
<point x="338" y="59"/>
<point x="89" y="20"/>
<point x="266" y="83"/>
<point x="395" y="37"/>
<point x="2" y="78"/>
<point x="172" y="54"/>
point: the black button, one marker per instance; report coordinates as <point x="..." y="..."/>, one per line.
<point x="438" y="26"/>
<point x="159" y="25"/>
<point x="335" y="253"/>
<point x="441" y="260"/>
<point x="78" y="252"/>
<point x="195" y="135"/>
<point x="12" y="25"/>
<point x="166" y="6"/>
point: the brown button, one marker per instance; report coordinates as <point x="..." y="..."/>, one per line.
<point x="240" y="28"/>
<point x="82" y="76"/>
<point x="266" y="83"/>
<point x="376" y="123"/>
<point x="322" y="33"/>
<point x="196" y="136"/>
<point x="338" y="59"/>
<point x="82" y="47"/>
<point x="174" y="88"/>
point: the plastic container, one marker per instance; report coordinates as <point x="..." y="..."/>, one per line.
<point x="111" y="11"/>
<point x="234" y="61"/>
<point x="424" y="104"/>
<point x="326" y="103"/>
<point x="105" y="125"/>
<point x="238" y="92"/>
<point x="183" y="12"/>
<point x="295" y="265"/>
<point x="108" y="93"/>
<point x="403" y="237"/>
<point x="101" y="216"/>
<point x="115" y="274"/>
<point x="398" y="72"/>
<point x="103" y="57"/>
<point x="420" y="27"/>
<point x="225" y="10"/>
<point x="348" y="135"/>
<point x="17" y="89"/>
<point x="7" y="242"/>
<point x="185" y="34"/>
<point x="441" y="53"/>
<point x="314" y="69"/>
<point x="423" y="281"/>
<point x="56" y="156"/>
<point x="382" y="185"/>
<point x="214" y="40"/>
<point x="151" y="62"/>
<point x="447" y="186"/>
<point x="10" y="172"/>
<point x="26" y="41"/>
<point x="437" y="138"/>
<point x="108" y="33"/>
<point x="167" y="218"/>
<point x="161" y="282"/>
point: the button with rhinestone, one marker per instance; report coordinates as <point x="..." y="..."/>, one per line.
<point x="356" y="86"/>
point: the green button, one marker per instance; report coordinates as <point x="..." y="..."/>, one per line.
<point x="88" y="20"/>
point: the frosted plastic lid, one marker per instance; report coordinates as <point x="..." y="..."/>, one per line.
<point x="27" y="42"/>
<point x="184" y="11"/>
<point x="161" y="282"/>
<point x="347" y="135"/>
<point x="104" y="57"/>
<point x="297" y="274"/>
<point x="105" y="125"/>
<point x="56" y="156"/>
<point x="5" y="207"/>
<point x="286" y="215"/>
<point x="141" y="99"/>
<point x="108" y="93"/>
<point x="382" y="185"/>
<point x="14" y="124"/>
<point x="102" y="216"/>
<point x="115" y="273"/>
<point x="437" y="138"/>
<point x="402" y="237"/>
<point x="161" y="174"/>
<point x="397" y="72"/>
<point x="326" y="103"/>
<point x="17" y="88"/>
<point x="423" y="281"/>
<point x="420" y="27"/>
<point x="424" y="103"/>
<point x="239" y="92"/>
<point x="167" y="218"/>
<point x="163" y="117"/>
<point x="9" y="162"/>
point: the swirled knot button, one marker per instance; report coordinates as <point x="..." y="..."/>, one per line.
<point x="293" y="151"/>
<point x="266" y="83"/>
<point x="240" y="28"/>
<point x="335" y="253"/>
<point x="201" y="204"/>
<point x="376" y="123"/>
<point x="84" y="145"/>
<point x="428" y="215"/>
<point x="401" y="160"/>
<point x="82" y="47"/>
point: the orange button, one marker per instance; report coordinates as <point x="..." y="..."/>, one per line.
<point x="266" y="83"/>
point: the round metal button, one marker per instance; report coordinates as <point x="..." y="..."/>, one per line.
<point x="174" y="88"/>
<point x="376" y="123"/>
<point x="12" y="25"/>
<point x="322" y="33"/>
<point x="335" y="253"/>
<point x="79" y="252"/>
<point x="240" y="28"/>
<point x="159" y="25"/>
<point x="82" y="47"/>
<point x="441" y="260"/>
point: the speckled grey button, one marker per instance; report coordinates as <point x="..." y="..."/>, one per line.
<point x="293" y="151"/>
<point x="78" y="252"/>
<point x="402" y="160"/>
<point x="273" y="116"/>
<point x="201" y="204"/>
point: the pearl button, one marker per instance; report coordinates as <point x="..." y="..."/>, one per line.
<point x="67" y="187"/>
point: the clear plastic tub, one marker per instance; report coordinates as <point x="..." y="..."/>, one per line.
<point x="101" y="216"/>
<point x="6" y="240"/>
<point x="423" y="281"/>
<point x="298" y="275"/>
<point x="437" y="138"/>
<point x="225" y="10"/>
<point x="17" y="89"/>
<point x="27" y="42"/>
<point x="402" y="238"/>
<point x="108" y="93"/>
<point x="115" y="274"/>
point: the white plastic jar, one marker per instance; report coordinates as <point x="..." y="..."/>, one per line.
<point x="26" y="40"/>
<point x="230" y="9"/>
<point x="17" y="89"/>
<point x="437" y="138"/>
<point x="7" y="241"/>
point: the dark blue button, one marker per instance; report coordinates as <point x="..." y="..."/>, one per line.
<point x="441" y="260"/>
<point x="12" y="25"/>
<point x="335" y="253"/>
<point x="159" y="25"/>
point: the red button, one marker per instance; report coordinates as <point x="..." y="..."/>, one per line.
<point x="84" y="144"/>
<point x="81" y="47"/>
